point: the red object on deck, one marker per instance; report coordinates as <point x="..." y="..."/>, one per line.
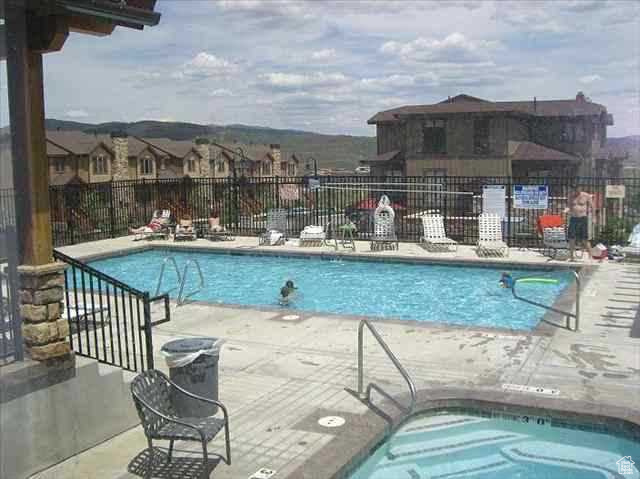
<point x="549" y="221"/>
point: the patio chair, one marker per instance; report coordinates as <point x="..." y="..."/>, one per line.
<point x="434" y="236"/>
<point x="151" y="391"/>
<point x="185" y="231"/>
<point x="217" y="232"/>
<point x="276" y="229"/>
<point x="490" y="241"/>
<point x="384" y="229"/>
<point x="157" y="228"/>
<point x="313" y="236"/>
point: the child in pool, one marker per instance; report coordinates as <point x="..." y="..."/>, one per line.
<point x="506" y="280"/>
<point x="287" y="292"/>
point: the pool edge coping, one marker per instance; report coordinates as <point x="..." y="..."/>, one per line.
<point x="372" y="428"/>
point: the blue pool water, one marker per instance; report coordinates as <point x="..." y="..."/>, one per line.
<point x="456" y="446"/>
<point x="452" y="294"/>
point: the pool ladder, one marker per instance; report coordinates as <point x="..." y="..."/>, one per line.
<point x="366" y="394"/>
<point x="567" y="314"/>
<point x="182" y="278"/>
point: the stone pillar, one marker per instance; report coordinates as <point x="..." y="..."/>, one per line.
<point x="276" y="154"/>
<point x="204" y="148"/>
<point x="120" y="167"/>
<point x="45" y="333"/>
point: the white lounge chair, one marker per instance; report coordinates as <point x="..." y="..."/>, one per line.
<point x="554" y="240"/>
<point x="490" y="241"/>
<point x="276" y="230"/>
<point x="434" y="236"/>
<point x="384" y="228"/>
<point x="632" y="251"/>
<point x="158" y="227"/>
<point x="185" y="231"/>
<point x="312" y="236"/>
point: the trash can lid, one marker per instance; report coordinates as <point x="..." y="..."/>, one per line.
<point x="189" y="345"/>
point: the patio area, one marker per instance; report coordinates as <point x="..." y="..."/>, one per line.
<point x="279" y="375"/>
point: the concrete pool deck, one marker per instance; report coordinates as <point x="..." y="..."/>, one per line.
<point x="278" y="376"/>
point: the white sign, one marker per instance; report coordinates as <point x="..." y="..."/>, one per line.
<point x="614" y="191"/>
<point x="314" y="184"/>
<point x="625" y="465"/>
<point x="531" y="197"/>
<point x="493" y="200"/>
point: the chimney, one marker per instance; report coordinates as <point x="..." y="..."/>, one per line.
<point x="120" y="169"/>
<point x="580" y="97"/>
<point x="276" y="154"/>
<point x="204" y="148"/>
<point x="535" y="104"/>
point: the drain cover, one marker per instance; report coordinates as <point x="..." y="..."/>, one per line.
<point x="263" y="473"/>
<point x="531" y="389"/>
<point x="291" y="317"/>
<point x="331" y="421"/>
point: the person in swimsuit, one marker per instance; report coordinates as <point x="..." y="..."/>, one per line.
<point x="580" y="204"/>
<point x="506" y="280"/>
<point x="287" y="292"/>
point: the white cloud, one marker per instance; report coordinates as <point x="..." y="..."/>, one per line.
<point x="76" y="114"/>
<point x="296" y="80"/>
<point x="205" y="65"/>
<point x="588" y="79"/>
<point x="324" y="54"/>
<point x="221" y="92"/>
<point x="454" y="48"/>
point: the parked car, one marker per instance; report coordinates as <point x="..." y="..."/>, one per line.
<point x="363" y="170"/>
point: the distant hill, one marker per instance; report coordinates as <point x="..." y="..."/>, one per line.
<point x="628" y="144"/>
<point x="330" y="151"/>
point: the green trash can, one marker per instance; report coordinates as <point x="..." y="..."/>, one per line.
<point x="193" y="365"/>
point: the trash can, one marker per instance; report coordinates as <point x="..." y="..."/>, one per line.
<point x="193" y="365"/>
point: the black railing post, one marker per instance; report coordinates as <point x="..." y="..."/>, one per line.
<point x="509" y="206"/>
<point x="111" y="212"/>
<point x="148" y="335"/>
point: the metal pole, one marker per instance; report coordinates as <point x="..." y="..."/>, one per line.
<point x="577" y="276"/>
<point x="361" y="360"/>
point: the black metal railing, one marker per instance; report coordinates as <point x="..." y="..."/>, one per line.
<point x="89" y="212"/>
<point x="109" y="320"/>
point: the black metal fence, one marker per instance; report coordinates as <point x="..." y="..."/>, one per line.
<point x="11" y="347"/>
<point x="109" y="320"/>
<point x="104" y="210"/>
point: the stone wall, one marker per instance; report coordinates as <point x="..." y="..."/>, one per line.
<point x="204" y="148"/>
<point x="276" y="154"/>
<point x="120" y="168"/>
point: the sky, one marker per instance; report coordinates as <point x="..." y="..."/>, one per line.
<point x="328" y="66"/>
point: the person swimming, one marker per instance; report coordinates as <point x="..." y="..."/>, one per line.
<point x="506" y="280"/>
<point x="287" y="292"/>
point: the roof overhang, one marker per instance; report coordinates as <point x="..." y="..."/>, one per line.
<point x="385" y="157"/>
<point x="128" y="13"/>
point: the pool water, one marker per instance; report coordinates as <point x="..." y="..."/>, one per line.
<point x="421" y="292"/>
<point x="466" y="446"/>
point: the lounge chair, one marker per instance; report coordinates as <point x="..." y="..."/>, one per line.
<point x="384" y="229"/>
<point x="276" y="230"/>
<point x="158" y="227"/>
<point x="184" y="231"/>
<point x="435" y="237"/>
<point x="490" y="241"/>
<point x="217" y="232"/>
<point x="313" y="236"/>
<point x="152" y="395"/>
<point x="632" y="251"/>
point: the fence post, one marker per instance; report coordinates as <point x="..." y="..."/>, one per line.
<point x="111" y="211"/>
<point x="509" y="206"/>
<point x="148" y="336"/>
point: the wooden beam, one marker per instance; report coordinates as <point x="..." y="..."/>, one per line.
<point x="90" y="25"/>
<point x="46" y="33"/>
<point x="30" y="165"/>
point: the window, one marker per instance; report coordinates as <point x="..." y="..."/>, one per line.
<point x="578" y="133"/>
<point x="59" y="165"/>
<point x="146" y="166"/>
<point x="163" y="164"/>
<point x="266" y="168"/>
<point x="481" y="136"/>
<point x="99" y="165"/>
<point x="221" y="167"/>
<point x="567" y="134"/>
<point x="291" y="169"/>
<point x="435" y="136"/>
<point x="191" y="165"/>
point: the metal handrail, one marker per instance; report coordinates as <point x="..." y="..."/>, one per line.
<point x="568" y="315"/>
<point x="181" y="299"/>
<point x="403" y="372"/>
<point x="175" y="267"/>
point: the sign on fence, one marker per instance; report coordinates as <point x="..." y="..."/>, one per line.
<point x="615" y="191"/>
<point x="493" y="200"/>
<point x="531" y="197"/>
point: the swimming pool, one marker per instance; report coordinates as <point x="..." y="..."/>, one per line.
<point x="463" y="445"/>
<point x="421" y="292"/>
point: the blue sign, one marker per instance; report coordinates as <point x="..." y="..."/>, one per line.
<point x="531" y="197"/>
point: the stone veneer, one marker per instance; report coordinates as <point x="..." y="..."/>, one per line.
<point x="276" y="154"/>
<point x="45" y="333"/>
<point x="121" y="156"/>
<point x="203" y="147"/>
